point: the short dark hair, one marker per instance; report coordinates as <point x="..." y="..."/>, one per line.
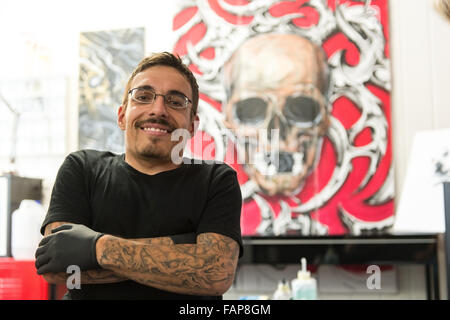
<point x="170" y="60"/>
<point x="443" y="6"/>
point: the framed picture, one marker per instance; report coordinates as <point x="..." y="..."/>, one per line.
<point x="295" y="96"/>
<point x="107" y="58"/>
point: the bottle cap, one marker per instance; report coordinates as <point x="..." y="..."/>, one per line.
<point x="280" y="285"/>
<point x="303" y="273"/>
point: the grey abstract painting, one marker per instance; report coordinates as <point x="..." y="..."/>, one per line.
<point x="107" y="59"/>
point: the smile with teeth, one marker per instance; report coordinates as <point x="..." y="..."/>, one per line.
<point x="155" y="129"/>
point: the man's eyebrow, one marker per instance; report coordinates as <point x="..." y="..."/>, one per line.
<point x="147" y="87"/>
<point x="177" y="93"/>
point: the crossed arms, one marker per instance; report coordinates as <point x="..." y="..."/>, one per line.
<point x="204" y="268"/>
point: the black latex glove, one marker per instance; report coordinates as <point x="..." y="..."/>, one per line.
<point x="185" y="238"/>
<point x="69" y="244"/>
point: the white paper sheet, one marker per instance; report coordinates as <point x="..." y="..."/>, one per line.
<point x="421" y="206"/>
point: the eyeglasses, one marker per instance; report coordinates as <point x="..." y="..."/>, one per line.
<point x="144" y="95"/>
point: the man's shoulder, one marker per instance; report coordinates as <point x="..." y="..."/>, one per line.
<point x="90" y="157"/>
<point x="213" y="172"/>
<point x="91" y="154"/>
<point x="213" y="166"/>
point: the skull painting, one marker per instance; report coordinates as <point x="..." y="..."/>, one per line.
<point x="277" y="94"/>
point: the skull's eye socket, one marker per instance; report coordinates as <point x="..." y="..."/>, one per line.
<point x="302" y="111"/>
<point x="251" y="110"/>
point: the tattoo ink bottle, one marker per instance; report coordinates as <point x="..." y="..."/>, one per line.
<point x="283" y="291"/>
<point x="304" y="287"/>
<point x="25" y="225"/>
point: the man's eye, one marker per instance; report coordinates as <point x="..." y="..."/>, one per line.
<point x="175" y="101"/>
<point x="144" y="97"/>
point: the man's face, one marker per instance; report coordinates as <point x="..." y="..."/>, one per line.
<point x="148" y="127"/>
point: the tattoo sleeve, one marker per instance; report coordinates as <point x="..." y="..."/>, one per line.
<point x="87" y="277"/>
<point x="100" y="275"/>
<point x="204" y="268"/>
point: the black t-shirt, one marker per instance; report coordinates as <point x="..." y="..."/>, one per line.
<point x="100" y="190"/>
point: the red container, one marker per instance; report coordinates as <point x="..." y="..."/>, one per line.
<point x="19" y="281"/>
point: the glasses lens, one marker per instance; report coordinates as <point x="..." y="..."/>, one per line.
<point x="251" y="110"/>
<point x="301" y="110"/>
<point x="176" y="101"/>
<point x="143" y="96"/>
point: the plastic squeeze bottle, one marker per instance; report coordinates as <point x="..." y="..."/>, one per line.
<point x="25" y="225"/>
<point x="304" y="287"/>
<point x="283" y="291"/>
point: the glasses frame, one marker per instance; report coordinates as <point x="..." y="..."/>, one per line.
<point x="187" y="102"/>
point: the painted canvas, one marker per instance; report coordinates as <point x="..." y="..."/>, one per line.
<point x="295" y="96"/>
<point x="107" y="58"/>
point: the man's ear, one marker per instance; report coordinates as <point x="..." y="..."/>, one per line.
<point x="194" y="126"/>
<point x="121" y="117"/>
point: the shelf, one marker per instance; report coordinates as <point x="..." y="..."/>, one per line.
<point x="377" y="249"/>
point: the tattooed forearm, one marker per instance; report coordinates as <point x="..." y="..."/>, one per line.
<point x="56" y="278"/>
<point x="204" y="268"/>
<point x="159" y="240"/>
<point x="90" y="276"/>
<point x="87" y="277"/>
<point x="100" y="276"/>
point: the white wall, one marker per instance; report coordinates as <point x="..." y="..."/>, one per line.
<point x="419" y="40"/>
<point x="420" y="48"/>
<point x="41" y="39"/>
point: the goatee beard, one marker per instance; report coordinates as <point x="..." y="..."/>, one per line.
<point x="151" y="152"/>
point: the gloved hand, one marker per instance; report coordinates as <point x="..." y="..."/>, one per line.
<point x="69" y="244"/>
<point x="185" y="238"/>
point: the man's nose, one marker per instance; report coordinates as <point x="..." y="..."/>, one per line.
<point x="158" y="108"/>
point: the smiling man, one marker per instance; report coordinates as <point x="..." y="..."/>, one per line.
<point x="148" y="139"/>
<point x="139" y="225"/>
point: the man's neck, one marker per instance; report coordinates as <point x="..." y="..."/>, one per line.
<point x="150" y="166"/>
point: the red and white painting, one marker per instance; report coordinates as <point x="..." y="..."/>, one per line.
<point x="295" y="96"/>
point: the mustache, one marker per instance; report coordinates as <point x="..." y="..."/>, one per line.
<point x="160" y="121"/>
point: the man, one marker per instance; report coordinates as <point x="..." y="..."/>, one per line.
<point x="127" y="220"/>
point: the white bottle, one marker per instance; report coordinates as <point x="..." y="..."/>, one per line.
<point x="25" y="229"/>
<point x="283" y="291"/>
<point x="304" y="287"/>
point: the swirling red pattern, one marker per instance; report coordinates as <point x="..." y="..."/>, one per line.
<point x="348" y="196"/>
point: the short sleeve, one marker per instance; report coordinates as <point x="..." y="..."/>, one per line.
<point x="69" y="199"/>
<point x="222" y="213"/>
